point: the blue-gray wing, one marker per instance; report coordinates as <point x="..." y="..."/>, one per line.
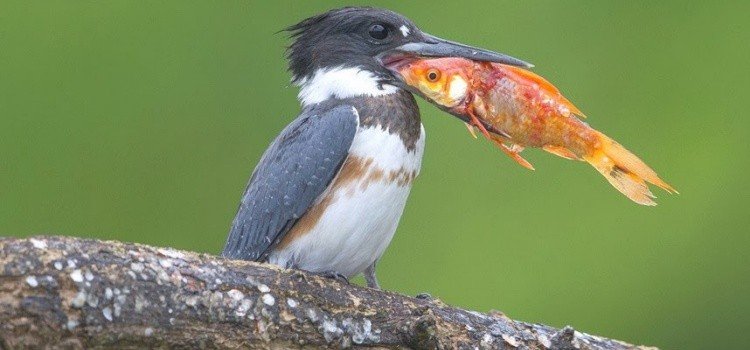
<point x="293" y="172"/>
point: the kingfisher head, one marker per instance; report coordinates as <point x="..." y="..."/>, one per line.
<point x="344" y="52"/>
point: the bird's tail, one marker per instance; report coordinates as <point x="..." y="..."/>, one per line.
<point x="625" y="171"/>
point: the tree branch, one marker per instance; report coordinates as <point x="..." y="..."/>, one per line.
<point x="80" y="293"/>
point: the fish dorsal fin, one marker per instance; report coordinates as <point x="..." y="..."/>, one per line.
<point x="537" y="79"/>
<point x="545" y="86"/>
<point x="573" y="109"/>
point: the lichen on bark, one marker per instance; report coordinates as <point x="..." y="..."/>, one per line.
<point x="68" y="292"/>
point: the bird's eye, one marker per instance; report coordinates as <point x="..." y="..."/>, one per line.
<point x="378" y="31"/>
<point x="433" y="75"/>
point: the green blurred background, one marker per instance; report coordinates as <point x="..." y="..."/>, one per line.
<point x="141" y="121"/>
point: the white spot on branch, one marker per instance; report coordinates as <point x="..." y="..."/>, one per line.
<point x="312" y="315"/>
<point x="79" y="300"/>
<point x="511" y="340"/>
<point x="291" y="302"/>
<point x="136" y="267"/>
<point x="243" y="308"/>
<point x="331" y="330"/>
<point x="165" y="263"/>
<point x="545" y="341"/>
<point x="107" y="312"/>
<point x="38" y="243"/>
<point x="31" y="280"/>
<point x="487" y="340"/>
<point x="236" y="295"/>
<point x="72" y="324"/>
<point x="76" y="275"/>
<point x="171" y="253"/>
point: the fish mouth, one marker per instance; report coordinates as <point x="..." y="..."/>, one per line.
<point x="399" y="58"/>
<point x="394" y="62"/>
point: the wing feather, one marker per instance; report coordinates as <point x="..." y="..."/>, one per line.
<point x="294" y="171"/>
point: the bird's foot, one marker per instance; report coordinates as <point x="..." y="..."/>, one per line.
<point x="372" y="280"/>
<point x="334" y="276"/>
<point x="430" y="299"/>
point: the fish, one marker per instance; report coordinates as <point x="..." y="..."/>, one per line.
<point x="515" y="108"/>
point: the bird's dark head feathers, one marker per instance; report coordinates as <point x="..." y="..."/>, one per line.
<point x="347" y="37"/>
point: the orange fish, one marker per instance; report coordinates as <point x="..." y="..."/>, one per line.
<point x="515" y="108"/>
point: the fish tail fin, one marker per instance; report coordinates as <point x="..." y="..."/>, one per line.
<point x="626" y="172"/>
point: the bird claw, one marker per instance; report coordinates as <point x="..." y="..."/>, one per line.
<point x="334" y="276"/>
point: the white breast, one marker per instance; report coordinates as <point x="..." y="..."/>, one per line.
<point x="361" y="214"/>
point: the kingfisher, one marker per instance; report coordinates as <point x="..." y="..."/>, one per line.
<point x="328" y="193"/>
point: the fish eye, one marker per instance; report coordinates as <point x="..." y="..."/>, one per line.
<point x="433" y="75"/>
<point x="378" y="31"/>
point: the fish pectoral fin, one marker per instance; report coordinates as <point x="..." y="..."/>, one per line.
<point x="561" y="152"/>
<point x="513" y="153"/>
<point x="517" y="157"/>
<point x="471" y="130"/>
<point x="516" y="148"/>
<point x="476" y="122"/>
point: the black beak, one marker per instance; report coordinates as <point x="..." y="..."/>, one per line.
<point x="433" y="46"/>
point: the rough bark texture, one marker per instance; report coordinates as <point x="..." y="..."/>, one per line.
<point x="61" y="292"/>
